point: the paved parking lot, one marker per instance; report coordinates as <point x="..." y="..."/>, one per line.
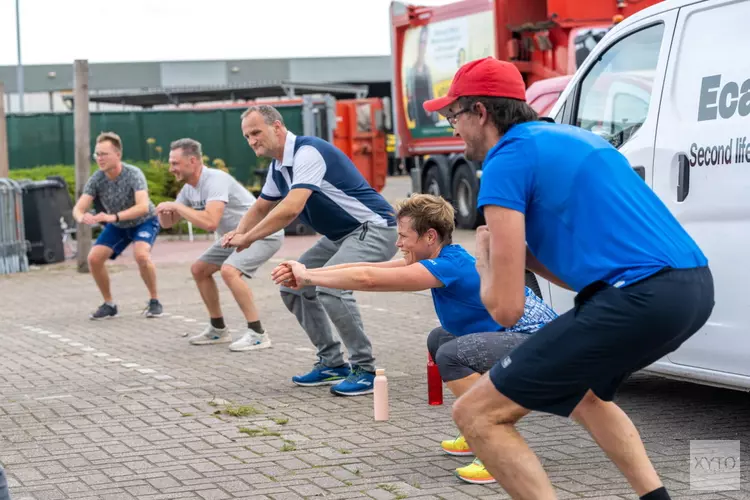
<point x="127" y="409"/>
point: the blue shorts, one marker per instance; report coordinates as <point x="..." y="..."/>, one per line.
<point x="118" y="238"/>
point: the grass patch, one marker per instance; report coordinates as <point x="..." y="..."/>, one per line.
<point x="281" y="421"/>
<point x="263" y="432"/>
<point x="288" y="446"/>
<point x="241" y="410"/>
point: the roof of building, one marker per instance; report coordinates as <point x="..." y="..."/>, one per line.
<point x="140" y="77"/>
<point x="192" y="95"/>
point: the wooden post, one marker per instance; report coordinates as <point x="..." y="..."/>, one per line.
<point x="4" y="159"/>
<point x="82" y="128"/>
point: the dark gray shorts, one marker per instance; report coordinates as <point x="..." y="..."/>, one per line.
<point x="609" y="334"/>
<point x="459" y="357"/>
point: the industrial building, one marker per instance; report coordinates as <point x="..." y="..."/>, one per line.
<point x="154" y="85"/>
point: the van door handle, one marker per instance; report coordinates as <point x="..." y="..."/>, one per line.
<point x="683" y="177"/>
<point x="641" y="171"/>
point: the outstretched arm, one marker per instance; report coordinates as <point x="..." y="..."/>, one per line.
<point x="283" y="272"/>
<point x="381" y="265"/>
<point x="368" y="278"/>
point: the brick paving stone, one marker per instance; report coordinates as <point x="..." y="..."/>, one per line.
<point x="75" y="425"/>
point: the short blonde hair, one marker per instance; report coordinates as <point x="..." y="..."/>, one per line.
<point x="112" y="138"/>
<point x="427" y="212"/>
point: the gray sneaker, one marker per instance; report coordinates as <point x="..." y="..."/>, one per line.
<point x="212" y="335"/>
<point x="251" y="341"/>
<point x="153" y="309"/>
<point x="105" y="311"/>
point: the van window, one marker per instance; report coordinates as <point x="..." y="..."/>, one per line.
<point x="615" y="94"/>
<point x="559" y="116"/>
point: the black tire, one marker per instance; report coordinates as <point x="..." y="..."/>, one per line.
<point x="432" y="182"/>
<point x="465" y="188"/>
<point x="532" y="283"/>
<point x="50" y="256"/>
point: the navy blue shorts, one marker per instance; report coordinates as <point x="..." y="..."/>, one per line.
<point x="608" y="335"/>
<point x="118" y="238"/>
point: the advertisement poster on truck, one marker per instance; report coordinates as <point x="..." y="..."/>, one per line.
<point x="432" y="55"/>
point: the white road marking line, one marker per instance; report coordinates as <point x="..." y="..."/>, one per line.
<point x="61" y="396"/>
<point x="145" y="371"/>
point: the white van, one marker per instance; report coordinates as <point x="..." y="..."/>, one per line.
<point x="670" y="88"/>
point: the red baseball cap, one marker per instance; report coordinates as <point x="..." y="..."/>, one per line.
<point x="482" y="77"/>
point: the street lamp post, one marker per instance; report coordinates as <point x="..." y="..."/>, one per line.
<point x="19" y="69"/>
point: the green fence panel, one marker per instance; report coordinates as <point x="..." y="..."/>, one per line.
<point x="34" y="140"/>
<point x="127" y="126"/>
<point x="49" y="138"/>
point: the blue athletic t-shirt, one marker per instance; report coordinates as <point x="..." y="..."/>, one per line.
<point x="589" y="216"/>
<point x="458" y="303"/>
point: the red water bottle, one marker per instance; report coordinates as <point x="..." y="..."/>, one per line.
<point x="434" y="383"/>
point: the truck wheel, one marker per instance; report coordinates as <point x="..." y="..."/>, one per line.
<point x="532" y="283"/>
<point x="432" y="182"/>
<point x="465" y="191"/>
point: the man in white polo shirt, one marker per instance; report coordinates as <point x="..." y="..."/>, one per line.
<point x="314" y="180"/>
<point x="213" y="200"/>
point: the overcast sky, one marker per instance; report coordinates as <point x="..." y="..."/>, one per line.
<point x="60" y="31"/>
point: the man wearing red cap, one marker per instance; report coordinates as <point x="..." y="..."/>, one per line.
<point x="565" y="204"/>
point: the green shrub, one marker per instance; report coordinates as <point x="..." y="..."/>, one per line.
<point x="162" y="185"/>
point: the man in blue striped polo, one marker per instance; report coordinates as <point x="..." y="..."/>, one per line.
<point x="312" y="179"/>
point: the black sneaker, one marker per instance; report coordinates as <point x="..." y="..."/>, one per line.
<point x="154" y="309"/>
<point x="105" y="311"/>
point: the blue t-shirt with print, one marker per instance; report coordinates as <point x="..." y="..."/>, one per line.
<point x="589" y="216"/>
<point x="458" y="303"/>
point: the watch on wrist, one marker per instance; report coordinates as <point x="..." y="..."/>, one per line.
<point x="117" y="217"/>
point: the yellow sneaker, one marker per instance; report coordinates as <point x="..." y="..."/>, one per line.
<point x="457" y="447"/>
<point x="475" y="473"/>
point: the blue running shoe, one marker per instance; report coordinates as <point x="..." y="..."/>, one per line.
<point x="358" y="383"/>
<point x="322" y="375"/>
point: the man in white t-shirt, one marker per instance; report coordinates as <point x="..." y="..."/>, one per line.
<point x="214" y="201"/>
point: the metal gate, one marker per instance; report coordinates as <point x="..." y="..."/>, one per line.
<point x="13" y="245"/>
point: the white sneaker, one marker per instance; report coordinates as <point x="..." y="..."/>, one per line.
<point x="251" y="341"/>
<point x="212" y="335"/>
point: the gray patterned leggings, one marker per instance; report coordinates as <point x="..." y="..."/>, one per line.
<point x="459" y="357"/>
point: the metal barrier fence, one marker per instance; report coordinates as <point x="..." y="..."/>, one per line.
<point x="13" y="244"/>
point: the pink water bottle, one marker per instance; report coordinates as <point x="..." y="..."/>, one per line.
<point x="381" y="395"/>
<point x="434" y="383"/>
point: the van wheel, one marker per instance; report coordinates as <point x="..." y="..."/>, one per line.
<point x="465" y="191"/>
<point x="432" y="182"/>
<point x="532" y="283"/>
